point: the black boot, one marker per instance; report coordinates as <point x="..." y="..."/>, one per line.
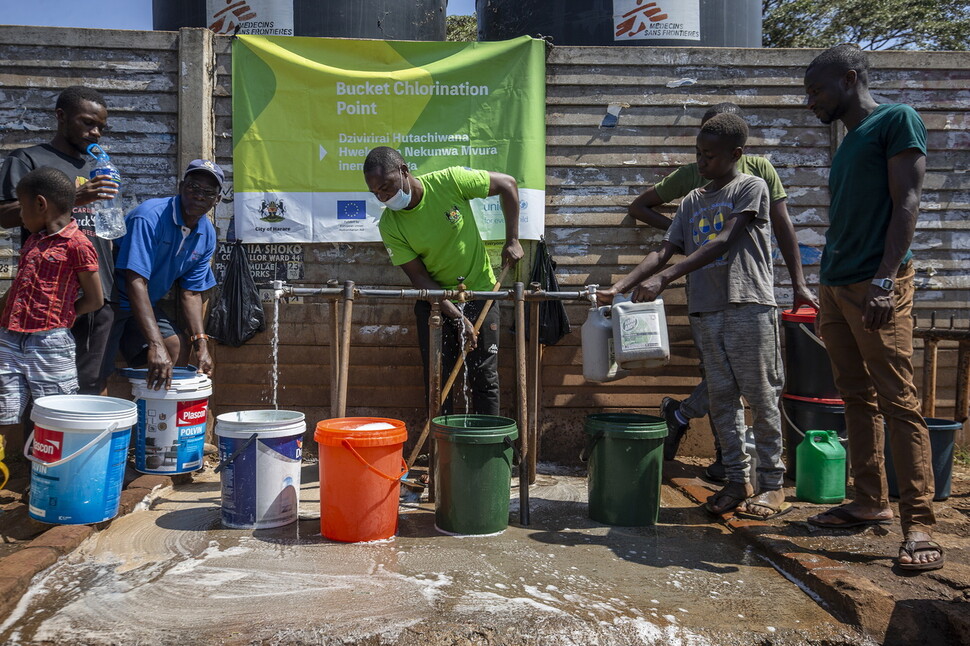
<point x="716" y="472"/>
<point x="675" y="430"/>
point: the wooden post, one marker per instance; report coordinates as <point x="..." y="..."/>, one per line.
<point x="335" y="388"/>
<point x="345" y="330"/>
<point x="196" y="78"/>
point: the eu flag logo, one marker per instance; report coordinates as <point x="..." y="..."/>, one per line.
<point x="351" y="209"/>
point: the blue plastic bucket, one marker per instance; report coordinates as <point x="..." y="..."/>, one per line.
<point x="78" y="448"/>
<point x="260" y="455"/>
<point x="170" y="436"/>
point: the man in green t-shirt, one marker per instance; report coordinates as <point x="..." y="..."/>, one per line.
<point x="429" y="231"/>
<point x="866" y="298"/>
<point x="677" y="185"/>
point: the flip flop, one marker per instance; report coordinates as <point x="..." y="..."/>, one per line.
<point x="848" y="519"/>
<point x="912" y="547"/>
<point x="732" y="495"/>
<point x="780" y="510"/>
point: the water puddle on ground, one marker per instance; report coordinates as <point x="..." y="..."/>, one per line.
<point x="172" y="573"/>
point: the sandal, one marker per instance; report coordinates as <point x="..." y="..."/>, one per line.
<point x="761" y="500"/>
<point x="848" y="519"/>
<point x="728" y="497"/>
<point x="912" y="548"/>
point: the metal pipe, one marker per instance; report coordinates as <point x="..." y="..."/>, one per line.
<point x="434" y="386"/>
<point x="526" y="449"/>
<point x="334" y="352"/>
<point x="345" y="328"/>
<point x="436" y="294"/>
<point x="533" y="404"/>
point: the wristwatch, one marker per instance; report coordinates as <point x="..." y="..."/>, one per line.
<point x="884" y="283"/>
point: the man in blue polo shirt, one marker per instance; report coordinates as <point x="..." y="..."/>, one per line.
<point x="169" y="240"/>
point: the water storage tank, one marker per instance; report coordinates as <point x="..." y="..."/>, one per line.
<point x="678" y="23"/>
<point x="380" y="19"/>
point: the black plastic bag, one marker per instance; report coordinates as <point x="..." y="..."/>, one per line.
<point x="238" y="313"/>
<point x="553" y="322"/>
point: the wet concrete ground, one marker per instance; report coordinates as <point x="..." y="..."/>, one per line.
<point x="172" y="574"/>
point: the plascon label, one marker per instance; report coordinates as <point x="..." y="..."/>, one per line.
<point x="47" y="444"/>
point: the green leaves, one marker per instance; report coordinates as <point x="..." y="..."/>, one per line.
<point x="887" y="24"/>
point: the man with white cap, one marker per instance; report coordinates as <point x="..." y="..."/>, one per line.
<point x="169" y="240"/>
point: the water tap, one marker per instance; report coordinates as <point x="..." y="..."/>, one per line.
<point x="277" y="289"/>
<point x="591" y="294"/>
<point x="462" y="296"/>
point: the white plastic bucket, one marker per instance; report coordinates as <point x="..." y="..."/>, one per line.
<point x="78" y="448"/>
<point x="260" y="455"/>
<point x="171" y="423"/>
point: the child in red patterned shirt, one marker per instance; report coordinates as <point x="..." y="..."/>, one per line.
<point x="36" y="346"/>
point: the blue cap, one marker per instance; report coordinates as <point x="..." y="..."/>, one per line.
<point x="209" y="167"/>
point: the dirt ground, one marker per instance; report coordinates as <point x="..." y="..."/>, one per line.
<point x="931" y="607"/>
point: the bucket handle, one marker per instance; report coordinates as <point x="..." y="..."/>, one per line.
<point x="811" y="334"/>
<point x="232" y="458"/>
<point x="590" y="444"/>
<point x="347" y="445"/>
<point x="798" y="430"/>
<point x="28" y="445"/>
<point x="516" y="458"/>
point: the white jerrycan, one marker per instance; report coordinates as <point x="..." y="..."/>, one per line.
<point x="640" y="333"/>
<point x="599" y="362"/>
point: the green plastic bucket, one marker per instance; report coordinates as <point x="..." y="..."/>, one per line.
<point x="473" y="472"/>
<point x="625" y="454"/>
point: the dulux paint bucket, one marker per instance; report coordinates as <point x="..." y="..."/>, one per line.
<point x="260" y="455"/>
<point x="170" y="435"/>
<point x="78" y="451"/>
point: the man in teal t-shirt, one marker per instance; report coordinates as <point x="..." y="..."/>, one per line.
<point x="866" y="300"/>
<point x="430" y="232"/>
<point x="677" y="185"/>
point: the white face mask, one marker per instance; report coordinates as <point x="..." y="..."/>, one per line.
<point x="400" y="199"/>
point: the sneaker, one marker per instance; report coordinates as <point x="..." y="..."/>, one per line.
<point x="675" y="430"/>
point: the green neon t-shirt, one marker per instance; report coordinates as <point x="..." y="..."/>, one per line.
<point x="686" y="178"/>
<point x="861" y="205"/>
<point x="441" y="230"/>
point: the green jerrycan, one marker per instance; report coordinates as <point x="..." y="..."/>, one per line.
<point x="820" y="470"/>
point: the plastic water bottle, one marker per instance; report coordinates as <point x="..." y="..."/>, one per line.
<point x="109" y="217"/>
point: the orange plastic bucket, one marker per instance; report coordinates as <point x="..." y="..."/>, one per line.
<point x="361" y="466"/>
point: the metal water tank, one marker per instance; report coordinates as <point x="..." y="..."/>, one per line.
<point x="380" y="19"/>
<point x="644" y="23"/>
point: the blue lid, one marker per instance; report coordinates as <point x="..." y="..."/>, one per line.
<point x="142" y="373"/>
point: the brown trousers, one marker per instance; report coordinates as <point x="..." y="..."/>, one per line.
<point x="874" y="373"/>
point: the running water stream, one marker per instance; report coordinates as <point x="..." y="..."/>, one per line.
<point x="275" y="344"/>
<point x="465" y="336"/>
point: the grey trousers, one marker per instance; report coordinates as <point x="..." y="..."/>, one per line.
<point x="742" y="358"/>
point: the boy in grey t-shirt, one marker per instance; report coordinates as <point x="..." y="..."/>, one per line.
<point x="724" y="231"/>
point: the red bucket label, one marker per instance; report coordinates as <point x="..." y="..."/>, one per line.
<point x="48" y="445"/>
<point x="192" y="413"/>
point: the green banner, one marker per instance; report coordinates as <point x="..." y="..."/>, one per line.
<point x="306" y="111"/>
